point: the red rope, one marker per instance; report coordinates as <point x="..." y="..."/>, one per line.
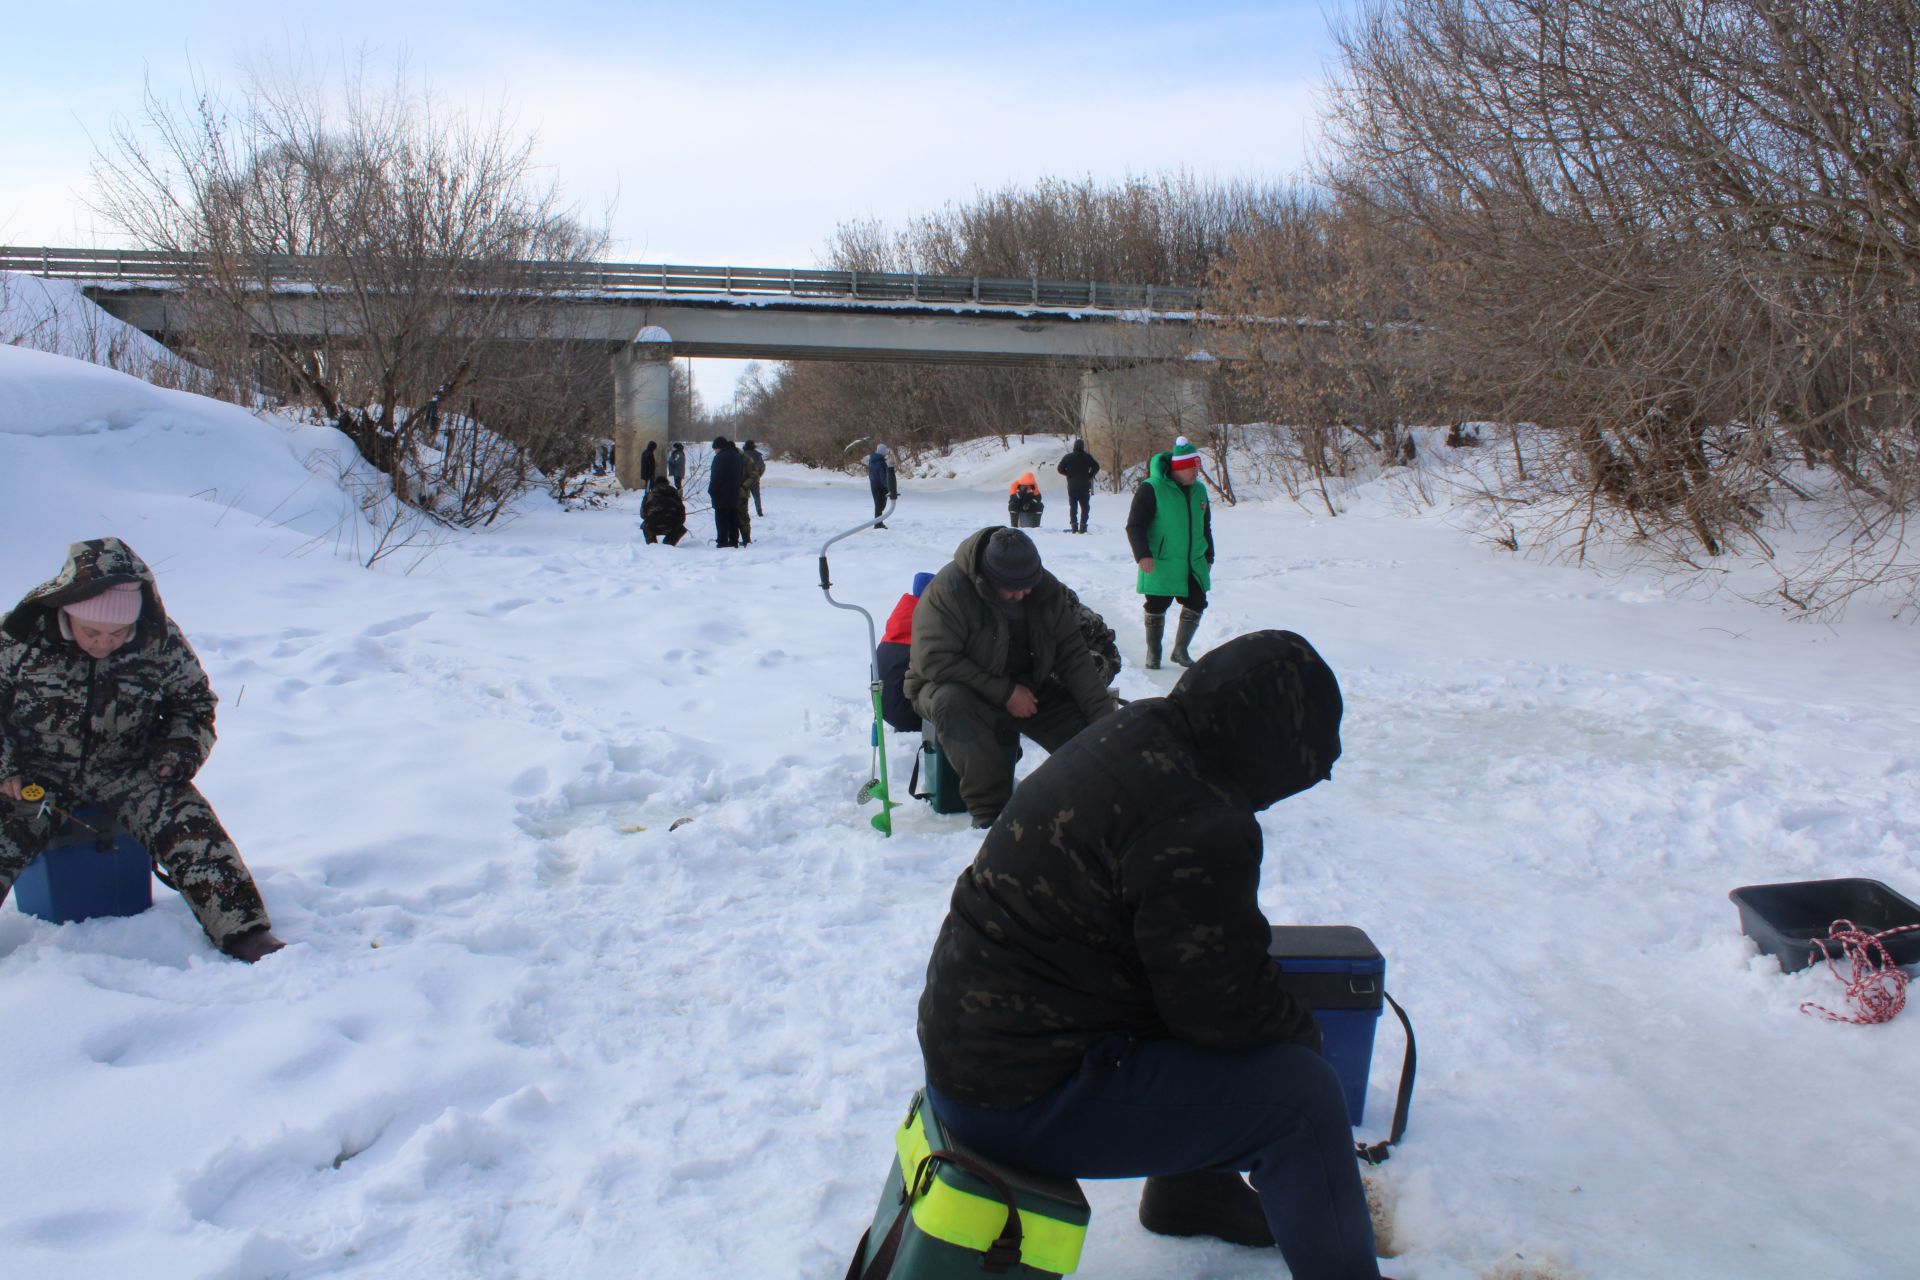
<point x="1878" y="987"/>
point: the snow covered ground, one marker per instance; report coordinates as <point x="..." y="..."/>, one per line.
<point x="525" y="1027"/>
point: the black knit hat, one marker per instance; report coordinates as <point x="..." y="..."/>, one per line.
<point x="1011" y="562"/>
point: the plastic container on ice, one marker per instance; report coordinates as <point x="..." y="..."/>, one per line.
<point x="1784" y="919"/>
<point x="1336" y="971"/>
<point x="76" y="881"/>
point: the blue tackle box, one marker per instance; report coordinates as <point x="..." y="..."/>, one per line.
<point x="1336" y="971"/>
<point x="76" y="880"/>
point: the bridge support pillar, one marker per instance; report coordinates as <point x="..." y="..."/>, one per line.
<point x="641" y="401"/>
<point x="1129" y="414"/>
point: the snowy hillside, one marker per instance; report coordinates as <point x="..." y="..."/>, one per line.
<point x="525" y="1027"/>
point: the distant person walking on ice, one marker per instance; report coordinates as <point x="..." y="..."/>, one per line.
<point x="882" y="479"/>
<point x="677" y="467"/>
<point x="1079" y="467"/>
<point x="649" y="465"/>
<point x="102" y="701"/>
<point x="1170" y="530"/>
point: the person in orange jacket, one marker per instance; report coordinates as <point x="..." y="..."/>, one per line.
<point x="1023" y="502"/>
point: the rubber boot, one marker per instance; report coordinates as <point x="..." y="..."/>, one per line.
<point x="1208" y="1203"/>
<point x="1156" y="628"/>
<point x="253" y="945"/>
<point x="1183" y="635"/>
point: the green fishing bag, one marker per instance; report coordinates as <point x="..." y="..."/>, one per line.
<point x="948" y="1213"/>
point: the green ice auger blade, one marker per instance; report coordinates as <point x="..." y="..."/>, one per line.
<point x="883" y="820"/>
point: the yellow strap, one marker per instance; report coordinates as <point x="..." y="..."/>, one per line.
<point x="975" y="1222"/>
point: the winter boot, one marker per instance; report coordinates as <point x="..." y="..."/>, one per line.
<point x="253" y="945"/>
<point x="1207" y="1203"/>
<point x="1156" y="628"/>
<point x="1183" y="634"/>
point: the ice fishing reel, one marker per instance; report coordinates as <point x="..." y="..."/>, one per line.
<point x="62" y="820"/>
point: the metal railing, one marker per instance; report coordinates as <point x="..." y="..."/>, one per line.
<point x="136" y="266"/>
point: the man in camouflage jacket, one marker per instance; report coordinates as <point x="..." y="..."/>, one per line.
<point x="1100" y="1001"/>
<point x="122" y="717"/>
<point x="997" y="653"/>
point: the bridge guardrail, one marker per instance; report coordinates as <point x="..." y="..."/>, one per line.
<point x="619" y="278"/>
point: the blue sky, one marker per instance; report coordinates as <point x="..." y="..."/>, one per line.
<point x="719" y="133"/>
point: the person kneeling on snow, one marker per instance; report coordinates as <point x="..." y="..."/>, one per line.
<point x="1100" y="1002"/>
<point x="997" y="653"/>
<point x="102" y="701"/>
<point x="663" y="515"/>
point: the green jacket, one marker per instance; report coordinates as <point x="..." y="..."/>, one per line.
<point x="961" y="635"/>
<point x="1172" y="523"/>
<point x="67" y="720"/>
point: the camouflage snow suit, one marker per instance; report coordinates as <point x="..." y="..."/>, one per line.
<point x="94" y="732"/>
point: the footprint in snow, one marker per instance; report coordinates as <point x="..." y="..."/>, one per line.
<point x="392" y="625"/>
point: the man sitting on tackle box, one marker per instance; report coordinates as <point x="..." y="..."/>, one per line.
<point x="1100" y="1002"/>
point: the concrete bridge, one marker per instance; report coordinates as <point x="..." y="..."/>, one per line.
<point x="647" y="314"/>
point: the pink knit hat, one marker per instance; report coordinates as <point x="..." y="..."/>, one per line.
<point x="117" y="606"/>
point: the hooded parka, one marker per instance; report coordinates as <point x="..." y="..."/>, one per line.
<point x="1117" y="893"/>
<point x="71" y="722"/>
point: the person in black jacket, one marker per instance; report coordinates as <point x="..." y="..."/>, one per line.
<point x="649" y="465"/>
<point x="728" y="473"/>
<point x="1079" y="467"/>
<point x="1100" y="1002"/>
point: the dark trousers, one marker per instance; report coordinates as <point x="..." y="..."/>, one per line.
<point x="1146" y="1107"/>
<point x="1078" y="505"/>
<point x="726" y="524"/>
<point x="175" y="824"/>
<point x="1195" y="599"/>
<point x="753" y="488"/>
<point x="879" y="503"/>
<point x="974" y="736"/>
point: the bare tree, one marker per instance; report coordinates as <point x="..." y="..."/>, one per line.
<point x="1147" y="231"/>
<point x="1681" y="236"/>
<point x="362" y="251"/>
<point x="1323" y="307"/>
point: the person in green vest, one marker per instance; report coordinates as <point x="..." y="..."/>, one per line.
<point x="1170" y="530"/>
